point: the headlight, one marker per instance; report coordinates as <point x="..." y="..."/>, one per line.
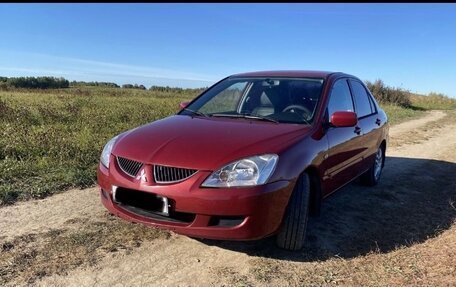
<point x="106" y="153"/>
<point x="250" y="171"/>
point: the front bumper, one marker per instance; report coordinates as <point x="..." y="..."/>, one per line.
<point x="261" y="207"/>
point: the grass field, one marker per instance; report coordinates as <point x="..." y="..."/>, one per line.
<point x="433" y="101"/>
<point x="51" y="140"/>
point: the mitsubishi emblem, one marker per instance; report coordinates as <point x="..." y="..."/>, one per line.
<point x="142" y="176"/>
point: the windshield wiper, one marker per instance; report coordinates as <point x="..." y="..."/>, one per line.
<point x="196" y="112"/>
<point x="245" y="116"/>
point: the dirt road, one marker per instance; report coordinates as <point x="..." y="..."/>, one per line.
<point x="401" y="232"/>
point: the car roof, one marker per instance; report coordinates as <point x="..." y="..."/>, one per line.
<point x="287" y="73"/>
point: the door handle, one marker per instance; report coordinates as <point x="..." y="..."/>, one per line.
<point x="378" y="122"/>
<point x="357" y="130"/>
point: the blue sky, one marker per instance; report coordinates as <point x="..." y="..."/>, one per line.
<point x="191" y="45"/>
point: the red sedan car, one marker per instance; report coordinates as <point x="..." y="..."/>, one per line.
<point x="252" y="156"/>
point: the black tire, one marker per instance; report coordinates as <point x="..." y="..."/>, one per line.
<point x="372" y="176"/>
<point x="292" y="233"/>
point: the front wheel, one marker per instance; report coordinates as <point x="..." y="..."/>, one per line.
<point x="372" y="176"/>
<point x="292" y="233"/>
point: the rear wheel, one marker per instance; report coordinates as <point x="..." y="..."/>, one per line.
<point x="372" y="176"/>
<point x="292" y="233"/>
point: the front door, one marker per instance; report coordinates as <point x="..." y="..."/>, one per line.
<point x="344" y="151"/>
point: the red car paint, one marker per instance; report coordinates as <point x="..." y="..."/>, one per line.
<point x="333" y="155"/>
<point x="344" y="119"/>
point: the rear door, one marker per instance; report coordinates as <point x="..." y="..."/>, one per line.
<point x="344" y="153"/>
<point x="368" y="121"/>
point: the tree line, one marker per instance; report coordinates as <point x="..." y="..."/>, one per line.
<point x="7" y="83"/>
<point x="93" y="84"/>
<point x="34" y="82"/>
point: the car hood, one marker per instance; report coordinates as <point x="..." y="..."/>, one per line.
<point x="204" y="143"/>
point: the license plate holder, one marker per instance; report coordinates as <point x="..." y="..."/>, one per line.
<point x="161" y="204"/>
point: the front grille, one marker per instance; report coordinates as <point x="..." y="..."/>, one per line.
<point x="168" y="174"/>
<point x="129" y="166"/>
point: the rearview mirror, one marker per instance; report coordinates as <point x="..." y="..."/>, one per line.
<point x="183" y="105"/>
<point x="344" y="119"/>
<point x="270" y="83"/>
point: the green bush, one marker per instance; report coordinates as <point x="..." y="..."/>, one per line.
<point x="386" y="94"/>
<point x="135" y="86"/>
<point x="175" y="89"/>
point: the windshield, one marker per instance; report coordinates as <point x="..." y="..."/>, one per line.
<point x="283" y="100"/>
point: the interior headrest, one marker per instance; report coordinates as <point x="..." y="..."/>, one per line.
<point x="264" y="100"/>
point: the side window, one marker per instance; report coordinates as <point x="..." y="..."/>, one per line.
<point x="363" y="105"/>
<point x="373" y="106"/>
<point x="340" y="98"/>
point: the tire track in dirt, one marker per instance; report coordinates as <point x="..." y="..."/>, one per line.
<point x="408" y="126"/>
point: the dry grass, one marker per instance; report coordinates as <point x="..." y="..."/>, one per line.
<point x="30" y="257"/>
<point x="434" y="101"/>
<point x="397" y="114"/>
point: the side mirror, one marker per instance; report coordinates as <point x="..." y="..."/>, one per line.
<point x="344" y="119"/>
<point x="183" y="105"/>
